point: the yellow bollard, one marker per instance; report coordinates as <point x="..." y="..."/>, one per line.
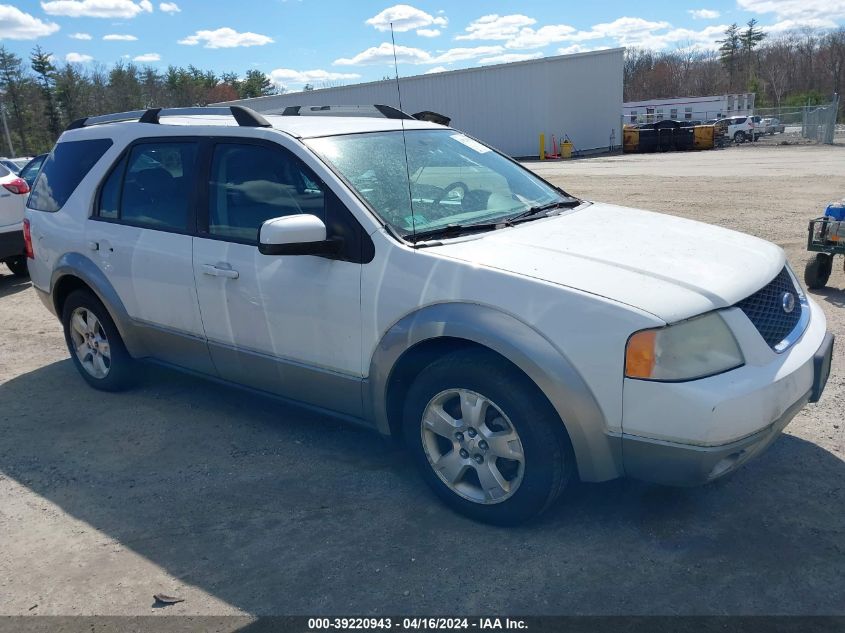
<point x="542" y="147"/>
<point x="566" y="149"/>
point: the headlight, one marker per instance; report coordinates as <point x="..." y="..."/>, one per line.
<point x="696" y="348"/>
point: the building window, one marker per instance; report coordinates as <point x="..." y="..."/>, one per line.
<point x="633" y="116"/>
<point x="659" y="114"/>
<point x="688" y="113"/>
<point x="673" y="114"/>
<point x="649" y="114"/>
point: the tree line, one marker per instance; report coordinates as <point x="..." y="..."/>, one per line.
<point x="802" y="67"/>
<point x="40" y="97"/>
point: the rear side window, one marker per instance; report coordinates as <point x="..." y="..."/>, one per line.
<point x="152" y="186"/>
<point x="64" y="169"/>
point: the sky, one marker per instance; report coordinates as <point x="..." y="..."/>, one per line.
<point x="331" y="42"/>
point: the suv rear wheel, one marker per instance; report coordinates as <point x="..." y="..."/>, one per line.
<point x="485" y="439"/>
<point x="95" y="344"/>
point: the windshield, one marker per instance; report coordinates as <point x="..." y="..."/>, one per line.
<point x="453" y="178"/>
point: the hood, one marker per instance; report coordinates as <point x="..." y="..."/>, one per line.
<point x="671" y="267"/>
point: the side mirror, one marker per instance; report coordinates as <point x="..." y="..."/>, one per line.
<point x="301" y="234"/>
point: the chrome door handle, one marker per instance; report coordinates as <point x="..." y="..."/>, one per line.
<point x="215" y="271"/>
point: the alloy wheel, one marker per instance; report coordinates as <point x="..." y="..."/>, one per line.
<point x="90" y="343"/>
<point x="472" y="446"/>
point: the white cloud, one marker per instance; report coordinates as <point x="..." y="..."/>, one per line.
<point x="226" y="38"/>
<point x="703" y="14"/>
<point x="287" y="77"/>
<point x="463" y="54"/>
<point x="117" y="37"/>
<point x="624" y="31"/>
<point x="17" y="25"/>
<point x="790" y="25"/>
<point x="383" y="54"/>
<point x="147" y="57"/>
<point x="436" y="69"/>
<point x="706" y="38"/>
<point x="405" y="18"/>
<point x="496" y="27"/>
<point x="169" y="7"/>
<point x="800" y="11"/>
<point x="538" y="38"/>
<point x="428" y="32"/>
<point x="96" y="8"/>
<point x="572" y="49"/>
<point x="78" y="58"/>
<point x="79" y="36"/>
<point x="507" y="58"/>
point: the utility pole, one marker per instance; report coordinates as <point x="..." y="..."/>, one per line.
<point x="5" y="125"/>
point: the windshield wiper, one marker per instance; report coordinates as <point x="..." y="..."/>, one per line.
<point x="456" y="230"/>
<point x="541" y="210"/>
<point x="453" y="230"/>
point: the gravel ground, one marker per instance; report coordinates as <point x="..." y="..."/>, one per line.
<point x="244" y="505"/>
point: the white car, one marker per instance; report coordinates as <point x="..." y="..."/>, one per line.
<point x="13" y="192"/>
<point x="404" y="275"/>
<point x="741" y="129"/>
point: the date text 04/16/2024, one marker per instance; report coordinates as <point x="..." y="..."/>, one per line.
<point x="415" y="624"/>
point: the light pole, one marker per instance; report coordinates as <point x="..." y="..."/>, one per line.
<point x="5" y="125"/>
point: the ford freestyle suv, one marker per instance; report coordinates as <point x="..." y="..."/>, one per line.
<point x="403" y="274"/>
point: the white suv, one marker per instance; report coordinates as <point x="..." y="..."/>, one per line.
<point x="741" y="129"/>
<point x="400" y="273"/>
<point x="13" y="190"/>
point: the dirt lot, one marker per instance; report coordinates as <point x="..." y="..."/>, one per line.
<point x="243" y="505"/>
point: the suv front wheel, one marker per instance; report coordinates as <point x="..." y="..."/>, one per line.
<point x="485" y="439"/>
<point x="94" y="343"/>
<point x="739" y="137"/>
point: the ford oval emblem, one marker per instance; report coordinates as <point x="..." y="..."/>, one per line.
<point x="788" y="302"/>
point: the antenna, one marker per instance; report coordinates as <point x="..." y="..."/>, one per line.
<point x="404" y="140"/>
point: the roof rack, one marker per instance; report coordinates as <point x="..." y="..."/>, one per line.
<point x="388" y="112"/>
<point x="246" y="117"/>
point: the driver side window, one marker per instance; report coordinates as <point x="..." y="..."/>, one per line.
<point x="252" y="183"/>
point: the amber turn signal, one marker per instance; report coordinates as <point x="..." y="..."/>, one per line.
<point x="640" y="354"/>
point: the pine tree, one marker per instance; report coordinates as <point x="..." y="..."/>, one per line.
<point x="749" y="39"/>
<point x="11" y="81"/>
<point x="72" y="89"/>
<point x="729" y="53"/>
<point x="256" y="84"/>
<point x="42" y="64"/>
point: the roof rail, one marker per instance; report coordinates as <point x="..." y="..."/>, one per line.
<point x="246" y="117"/>
<point x="388" y="112"/>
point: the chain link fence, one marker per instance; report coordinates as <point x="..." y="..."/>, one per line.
<point x="814" y="123"/>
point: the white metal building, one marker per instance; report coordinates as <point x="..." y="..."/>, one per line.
<point x="505" y="105"/>
<point x="688" y="108"/>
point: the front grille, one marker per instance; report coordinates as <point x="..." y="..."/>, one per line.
<point x="765" y="309"/>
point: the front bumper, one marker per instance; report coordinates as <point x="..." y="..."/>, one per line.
<point x="691" y="432"/>
<point x="11" y="244"/>
<point x="673" y="464"/>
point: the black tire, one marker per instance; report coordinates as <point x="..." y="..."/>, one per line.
<point x="549" y="461"/>
<point x="18" y="266"/>
<point x="817" y="271"/>
<point x="121" y="367"/>
<point x="739" y="137"/>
